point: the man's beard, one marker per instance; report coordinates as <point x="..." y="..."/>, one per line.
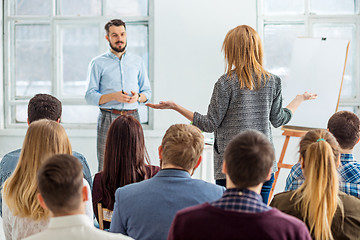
<point x="116" y="49"/>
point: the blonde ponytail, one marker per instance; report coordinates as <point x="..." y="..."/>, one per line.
<point x="318" y="196"/>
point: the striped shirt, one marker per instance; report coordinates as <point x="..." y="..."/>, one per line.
<point x="241" y="200"/>
<point x="349" y="176"/>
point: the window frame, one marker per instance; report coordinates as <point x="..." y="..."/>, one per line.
<point x="56" y="21"/>
<point x="309" y="19"/>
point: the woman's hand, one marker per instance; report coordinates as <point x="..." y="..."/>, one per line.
<point x="309" y="96"/>
<point x="294" y="104"/>
<point x="172" y="105"/>
<point x="162" y="105"/>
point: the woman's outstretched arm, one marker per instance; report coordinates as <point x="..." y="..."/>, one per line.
<point x="294" y="104"/>
<point x="172" y="105"/>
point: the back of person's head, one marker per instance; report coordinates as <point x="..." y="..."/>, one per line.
<point x="125" y="155"/>
<point x="345" y="126"/>
<point x="318" y="195"/>
<point x="243" y="52"/>
<point x="182" y="146"/>
<point x="114" y="22"/>
<point x="249" y="157"/>
<point x="60" y="182"/>
<point x="44" y="106"/>
<point x="43" y="139"/>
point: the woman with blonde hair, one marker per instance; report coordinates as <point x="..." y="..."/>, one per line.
<point x="245" y="97"/>
<point x="328" y="213"/>
<point x="22" y="213"/>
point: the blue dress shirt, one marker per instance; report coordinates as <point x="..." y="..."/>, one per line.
<point x="107" y="74"/>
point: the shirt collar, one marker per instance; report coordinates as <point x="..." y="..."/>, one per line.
<point x="345" y="157"/>
<point x="171" y="172"/>
<point x="69" y="221"/>
<point x="231" y="192"/>
<point x="112" y="55"/>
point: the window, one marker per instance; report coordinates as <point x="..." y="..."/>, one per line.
<point x="49" y="44"/>
<point x="280" y="22"/>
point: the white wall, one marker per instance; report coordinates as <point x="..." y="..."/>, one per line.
<point x="188" y="61"/>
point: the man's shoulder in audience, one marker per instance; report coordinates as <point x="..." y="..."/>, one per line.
<point x="74" y="227"/>
<point x="197" y="221"/>
<point x="175" y="179"/>
<point x="8" y="164"/>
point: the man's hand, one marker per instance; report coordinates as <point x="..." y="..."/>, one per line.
<point x="134" y="97"/>
<point x="121" y="96"/>
<point x="162" y="105"/>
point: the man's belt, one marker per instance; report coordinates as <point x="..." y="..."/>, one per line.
<point x="119" y="112"/>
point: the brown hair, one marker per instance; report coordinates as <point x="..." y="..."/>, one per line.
<point x="244" y="56"/>
<point x="318" y="195"/>
<point x="182" y="146"/>
<point x="43" y="139"/>
<point x="125" y="156"/>
<point x="44" y="106"/>
<point x="345" y="126"/>
<point x="249" y="157"/>
<point x="114" y="22"/>
<point x="60" y="182"/>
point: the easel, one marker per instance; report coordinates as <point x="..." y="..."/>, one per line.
<point x="294" y="131"/>
<point x="289" y="131"/>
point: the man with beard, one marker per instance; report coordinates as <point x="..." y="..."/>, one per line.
<point x="118" y="82"/>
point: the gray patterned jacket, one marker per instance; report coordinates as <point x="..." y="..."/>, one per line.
<point x="232" y="110"/>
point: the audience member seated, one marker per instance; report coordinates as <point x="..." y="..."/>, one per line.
<point x="62" y="192"/>
<point x="240" y="213"/>
<point x="22" y="214"/>
<point x="329" y="213"/>
<point x="124" y="162"/>
<point x="146" y="209"/>
<point x="345" y="126"/>
<point x="41" y="106"/>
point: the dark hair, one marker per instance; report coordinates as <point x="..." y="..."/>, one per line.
<point x="249" y="157"/>
<point x="114" y="22"/>
<point x="345" y="126"/>
<point x="60" y="182"/>
<point x="125" y="156"/>
<point x="44" y="106"/>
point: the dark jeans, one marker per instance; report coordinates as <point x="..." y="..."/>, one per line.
<point x="266" y="188"/>
<point x="265" y="191"/>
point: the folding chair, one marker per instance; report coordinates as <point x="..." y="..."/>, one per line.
<point x="104" y="215"/>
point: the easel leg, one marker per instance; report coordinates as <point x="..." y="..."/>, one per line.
<point x="282" y="155"/>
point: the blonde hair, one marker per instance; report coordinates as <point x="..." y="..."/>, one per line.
<point x="318" y="195"/>
<point x="43" y="139"/>
<point x="182" y="145"/>
<point x="244" y="55"/>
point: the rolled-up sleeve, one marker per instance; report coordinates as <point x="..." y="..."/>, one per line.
<point x="217" y="109"/>
<point x="279" y="115"/>
<point x="144" y="83"/>
<point x="93" y="94"/>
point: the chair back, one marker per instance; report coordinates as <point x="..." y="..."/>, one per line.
<point x="104" y="214"/>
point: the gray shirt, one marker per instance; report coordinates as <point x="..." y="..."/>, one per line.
<point x="233" y="110"/>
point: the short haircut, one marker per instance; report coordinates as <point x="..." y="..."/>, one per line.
<point x="345" y="126"/>
<point x="249" y="157"/>
<point x="114" y="22"/>
<point x="182" y="146"/>
<point x="44" y="106"/>
<point x="60" y="182"/>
